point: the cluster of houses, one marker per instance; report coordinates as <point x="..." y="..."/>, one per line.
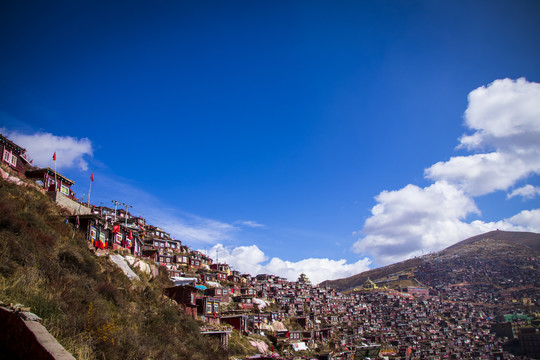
<point x="501" y="281"/>
<point x="298" y="318"/>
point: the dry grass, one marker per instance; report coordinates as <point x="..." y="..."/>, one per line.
<point x="88" y="304"/>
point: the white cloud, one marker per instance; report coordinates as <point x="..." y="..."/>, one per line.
<point x="527" y="192"/>
<point x="527" y="220"/>
<point x="505" y="119"/>
<point x="70" y="151"/>
<point x="505" y="109"/>
<point x="482" y="174"/>
<point x="191" y="229"/>
<point x="249" y="223"/>
<point x="414" y="220"/>
<point x="252" y="260"/>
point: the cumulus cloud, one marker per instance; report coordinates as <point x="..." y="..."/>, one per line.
<point x="504" y="118"/>
<point x="527" y="220"/>
<point x="252" y="260"/>
<point x="526" y="192"/>
<point x="503" y="114"/>
<point x="70" y="151"/>
<point x="482" y="174"/>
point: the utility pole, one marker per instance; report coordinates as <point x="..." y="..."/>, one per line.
<point x="127" y="207"/>
<point x="115" y="206"/>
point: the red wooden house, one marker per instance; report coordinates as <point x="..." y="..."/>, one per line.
<point x="125" y="238"/>
<point x="221" y="276"/>
<point x="13" y="155"/>
<point x="195" y="262"/>
<point x="210" y="308"/>
<point x="248" y="291"/>
<point x="221" y="267"/>
<point x="151" y="253"/>
<point x="185" y="295"/>
<point x="239" y="322"/>
<point x="98" y="231"/>
<point x="52" y="181"/>
<point x="244" y="301"/>
<point x="208" y="277"/>
<point x="216" y="292"/>
<point x="181" y="260"/>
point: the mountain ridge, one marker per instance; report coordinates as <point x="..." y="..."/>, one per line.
<point x="526" y="243"/>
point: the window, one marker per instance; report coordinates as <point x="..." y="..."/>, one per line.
<point x="209" y="308"/>
<point x="7" y="156"/>
<point x="64" y="190"/>
<point x="118" y="238"/>
<point x="10" y="158"/>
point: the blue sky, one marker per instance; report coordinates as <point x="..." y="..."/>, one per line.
<point x="286" y="136"/>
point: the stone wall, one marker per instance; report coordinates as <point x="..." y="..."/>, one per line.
<point x="27" y="339"/>
<point x="72" y="206"/>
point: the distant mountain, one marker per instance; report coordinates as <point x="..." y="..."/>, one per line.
<point x="502" y="259"/>
<point x="526" y="239"/>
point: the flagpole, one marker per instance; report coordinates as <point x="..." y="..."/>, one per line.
<point x="89" y="189"/>
<point x="55" y="180"/>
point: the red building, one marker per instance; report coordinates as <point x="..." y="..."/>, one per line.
<point x="239" y="322"/>
<point x="51" y="181"/>
<point x="185" y="295"/>
<point x="13" y="155"/>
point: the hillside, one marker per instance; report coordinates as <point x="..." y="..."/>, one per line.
<point x="508" y="257"/>
<point x="377" y="275"/>
<point x="85" y="301"/>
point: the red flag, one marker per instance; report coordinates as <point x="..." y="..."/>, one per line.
<point x="130" y="235"/>
<point x="92" y="177"/>
<point x="116" y="229"/>
<point x="54" y="156"/>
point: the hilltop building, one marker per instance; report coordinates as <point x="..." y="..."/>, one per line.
<point x="13" y="155"/>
